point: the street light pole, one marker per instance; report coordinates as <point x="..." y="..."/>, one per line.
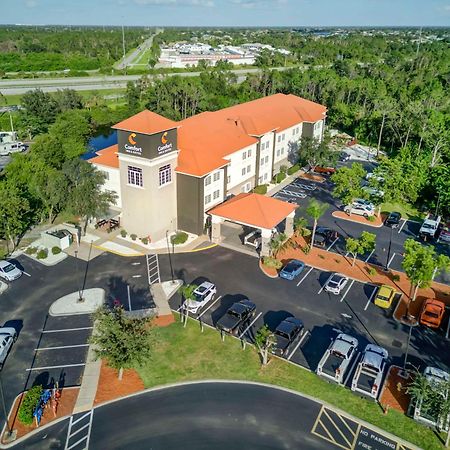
<point x="170" y="257"/>
<point x="77" y="270"/>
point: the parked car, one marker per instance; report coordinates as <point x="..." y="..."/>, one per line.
<point x="360" y="210"/>
<point x="444" y="235"/>
<point x="9" y="271"/>
<point x="385" y="296"/>
<point x="253" y="239"/>
<point x="8" y="336"/>
<point x="336" y="283"/>
<point x="337" y="358"/>
<point x="325" y="170"/>
<point x="285" y="334"/>
<point x="378" y="193"/>
<point x="362" y="201"/>
<point x="377" y="177"/>
<point x="236" y="315"/>
<point x="393" y="219"/>
<point x="324" y="236"/>
<point x="432" y="313"/>
<point x="369" y="371"/>
<point x="428" y="416"/>
<point x="292" y="269"/>
<point x="430" y="226"/>
<point x="343" y="156"/>
<point x="203" y="294"/>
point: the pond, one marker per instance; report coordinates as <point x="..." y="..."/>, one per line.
<point x="104" y="137"/>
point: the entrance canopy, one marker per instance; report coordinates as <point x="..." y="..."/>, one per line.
<point x="255" y="210"/>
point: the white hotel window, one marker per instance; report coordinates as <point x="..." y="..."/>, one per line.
<point x="165" y="175"/>
<point x="228" y="179"/>
<point x="249" y="168"/>
<point x="262" y="162"/>
<point x="266" y="159"/>
<point x="265" y="176"/>
<point x="278" y="152"/>
<point x="244" y="155"/>
<point x="216" y="194"/>
<point x="243" y="171"/>
<point x="217" y="176"/>
<point x="249" y="153"/>
<point x="208" y="180"/>
<point x="135" y="176"/>
<point x="279" y="138"/>
<point x="106" y="174"/>
<point x="207" y="199"/>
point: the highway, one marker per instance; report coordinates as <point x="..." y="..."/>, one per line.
<point x="20" y="86"/>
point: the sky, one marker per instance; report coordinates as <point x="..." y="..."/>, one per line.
<point x="227" y="12"/>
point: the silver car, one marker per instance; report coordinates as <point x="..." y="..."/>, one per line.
<point x="8" y="336"/>
<point x="9" y="271"/>
<point x="336" y="283"/>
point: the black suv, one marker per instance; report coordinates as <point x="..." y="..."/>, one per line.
<point x="285" y="334"/>
<point x="236" y="315"/>
<point x="324" y="236"/>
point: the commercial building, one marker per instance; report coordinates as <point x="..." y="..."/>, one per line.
<point x="170" y="175"/>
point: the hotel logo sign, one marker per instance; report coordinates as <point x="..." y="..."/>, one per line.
<point x="166" y="146"/>
<point x="131" y="146"/>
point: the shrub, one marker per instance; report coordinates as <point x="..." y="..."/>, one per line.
<point x="123" y="233"/>
<point x="283" y="169"/>
<point x="3" y="253"/>
<point x="144" y="240"/>
<point x="337" y="261"/>
<point x="321" y="256"/>
<point x="396" y="277"/>
<point x="293" y="169"/>
<point x="306" y="249"/>
<point x="268" y="261"/>
<point x="56" y="250"/>
<point x="133" y="236"/>
<point x="371" y="218"/>
<point x="279" y="177"/>
<point x="261" y="189"/>
<point x="42" y="253"/>
<point x="31" y="250"/>
<point x="28" y="405"/>
<point x="179" y="238"/>
<point x="371" y="271"/>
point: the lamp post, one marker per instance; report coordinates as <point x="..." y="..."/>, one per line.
<point x="77" y="270"/>
<point x="170" y="257"/>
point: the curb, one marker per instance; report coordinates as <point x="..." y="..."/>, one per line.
<point x="265" y="273"/>
<point x="348" y="219"/>
<point x="41" y="261"/>
<point x="99" y="247"/>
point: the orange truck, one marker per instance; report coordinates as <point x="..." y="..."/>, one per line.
<point x="432" y="313"/>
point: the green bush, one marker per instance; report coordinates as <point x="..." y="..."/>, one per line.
<point x="261" y="189"/>
<point x="306" y="249"/>
<point x="283" y="169"/>
<point x="371" y="271"/>
<point x="268" y="261"/>
<point x="144" y="240"/>
<point x="31" y="250"/>
<point x="42" y="254"/>
<point x="133" y="236"/>
<point x="123" y="233"/>
<point x="179" y="238"/>
<point x="293" y="169"/>
<point x="56" y="250"/>
<point x="28" y="405"/>
<point x="278" y="178"/>
<point x="371" y="218"/>
<point x="396" y="277"/>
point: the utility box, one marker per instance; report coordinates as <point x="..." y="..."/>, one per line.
<point x="57" y="238"/>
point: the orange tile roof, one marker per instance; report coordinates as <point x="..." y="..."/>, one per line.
<point x="107" y="157"/>
<point x="145" y="122"/>
<point x="254" y="209"/>
<point x="205" y="139"/>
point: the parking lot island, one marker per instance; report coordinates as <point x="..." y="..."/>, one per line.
<point x="91" y="300"/>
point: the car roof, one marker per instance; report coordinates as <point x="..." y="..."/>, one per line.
<point x="337" y="275"/>
<point x="374" y="355"/>
<point x="4" y="263"/>
<point x="435" y="374"/>
<point x="385" y="290"/>
<point x="289" y="324"/>
<point x="241" y="305"/>
<point x="296" y="261"/>
<point x="434" y="302"/>
<point x="394" y="214"/>
<point x="205" y="285"/>
<point x="343" y="343"/>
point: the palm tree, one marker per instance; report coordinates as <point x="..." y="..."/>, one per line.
<point x="277" y="243"/>
<point x="300" y="224"/>
<point x="315" y="210"/>
<point x="187" y="293"/>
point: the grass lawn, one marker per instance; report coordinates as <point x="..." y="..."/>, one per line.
<point x="186" y="354"/>
<point x="407" y="211"/>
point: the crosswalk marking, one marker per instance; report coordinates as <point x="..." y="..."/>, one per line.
<point x="83" y="442"/>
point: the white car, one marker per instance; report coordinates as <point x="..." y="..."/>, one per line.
<point x="8" y="336"/>
<point x="373" y="192"/>
<point x="9" y="271"/>
<point x="360" y="210"/>
<point x="203" y="294"/>
<point x="336" y="283"/>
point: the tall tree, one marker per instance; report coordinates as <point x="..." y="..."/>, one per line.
<point x="265" y="341"/>
<point x="365" y="243"/>
<point x="315" y="210"/>
<point x="314" y="152"/>
<point x="347" y="183"/>
<point x="187" y="293"/>
<point x="122" y="341"/>
<point x="39" y="111"/>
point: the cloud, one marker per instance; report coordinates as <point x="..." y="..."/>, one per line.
<point x="31" y="3"/>
<point x="201" y="3"/>
<point x="264" y="4"/>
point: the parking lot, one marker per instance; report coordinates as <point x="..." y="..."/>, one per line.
<point x="324" y="315"/>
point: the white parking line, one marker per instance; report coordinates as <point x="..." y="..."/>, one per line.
<point x="60" y="347"/>
<point x="135" y="264"/>
<point x="55" y="367"/>
<point x="389" y="262"/>
<point x="67" y="329"/>
<point x="136" y="276"/>
<point x="251" y="324"/>
<point x="323" y="286"/>
<point x="370" y="298"/>
<point x="331" y="245"/>
<point x="346" y="292"/>
<point x="371" y="253"/>
<point x="210" y="306"/>
<point x="298" y="345"/>
<point x="403" y="224"/>
<point x="303" y="279"/>
<point x="26" y="273"/>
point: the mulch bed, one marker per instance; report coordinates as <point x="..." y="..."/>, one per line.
<point x="163" y="321"/>
<point x="65" y="407"/>
<point x="271" y="272"/>
<point x="378" y="222"/>
<point x="313" y="177"/>
<point x="394" y="391"/>
<point x="110" y="387"/>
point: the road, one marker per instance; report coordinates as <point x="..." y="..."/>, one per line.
<point x="127" y="61"/>
<point x="20" y="86"/>
<point x="215" y="415"/>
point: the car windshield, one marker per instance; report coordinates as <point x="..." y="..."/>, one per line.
<point x="336" y="281"/>
<point x="432" y="314"/>
<point x="427" y="225"/>
<point x="8" y="268"/>
<point x="234" y="314"/>
<point x="290" y="267"/>
<point x="282" y="334"/>
<point x="199" y="296"/>
<point x="383" y="297"/>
